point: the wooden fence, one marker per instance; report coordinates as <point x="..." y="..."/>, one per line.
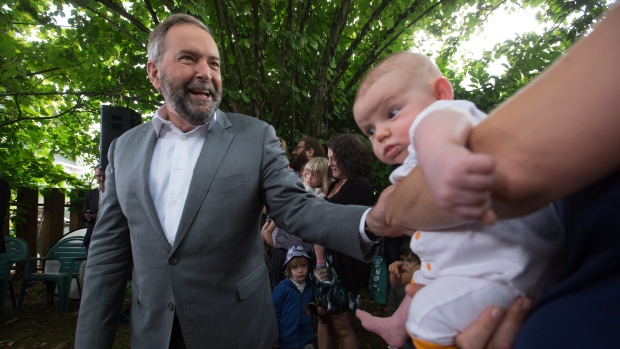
<point x="42" y="224"/>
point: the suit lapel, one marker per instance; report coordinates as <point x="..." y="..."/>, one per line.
<point x="141" y="181"/>
<point x="213" y="151"/>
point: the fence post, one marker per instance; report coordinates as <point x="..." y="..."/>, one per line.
<point x="26" y="221"/>
<point x="77" y="200"/>
<point x="53" y="219"/>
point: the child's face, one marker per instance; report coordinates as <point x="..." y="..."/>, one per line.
<point x="299" y="273"/>
<point x="386" y="111"/>
<point x="312" y="179"/>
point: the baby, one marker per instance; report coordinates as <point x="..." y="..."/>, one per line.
<point x="406" y="107"/>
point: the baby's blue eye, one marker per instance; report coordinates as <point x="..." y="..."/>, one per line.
<point x="393" y="113"/>
<point x="371" y="132"/>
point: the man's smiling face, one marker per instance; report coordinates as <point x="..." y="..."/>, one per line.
<point x="188" y="75"/>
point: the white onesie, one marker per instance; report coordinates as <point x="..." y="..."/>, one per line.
<point x="470" y="267"/>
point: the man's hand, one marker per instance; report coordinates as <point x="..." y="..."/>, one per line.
<point x="376" y="217"/>
<point x="90" y="216"/>
<point x="495" y="328"/>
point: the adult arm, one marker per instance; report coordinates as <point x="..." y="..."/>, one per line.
<point x="91" y="203"/>
<point x="557" y="135"/>
<point x="85" y="207"/>
<point x="109" y="260"/>
<point x="305" y="215"/>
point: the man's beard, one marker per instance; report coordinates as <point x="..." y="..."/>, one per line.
<point x="298" y="162"/>
<point x="177" y="97"/>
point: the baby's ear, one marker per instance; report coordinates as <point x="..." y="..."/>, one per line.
<point x="442" y="88"/>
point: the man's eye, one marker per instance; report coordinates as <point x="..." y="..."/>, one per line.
<point x="393" y="113"/>
<point x="186" y="58"/>
<point x="215" y="64"/>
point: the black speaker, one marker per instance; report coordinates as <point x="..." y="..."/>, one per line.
<point x="114" y="122"/>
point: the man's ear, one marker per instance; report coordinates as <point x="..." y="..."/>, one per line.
<point x="310" y="152"/>
<point x="153" y="72"/>
<point x="442" y="89"/>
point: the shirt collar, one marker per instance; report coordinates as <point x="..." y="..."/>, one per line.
<point x="161" y="118"/>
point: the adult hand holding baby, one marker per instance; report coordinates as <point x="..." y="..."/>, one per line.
<point x="495" y="327"/>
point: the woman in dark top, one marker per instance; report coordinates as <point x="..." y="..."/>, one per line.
<point x="350" y="162"/>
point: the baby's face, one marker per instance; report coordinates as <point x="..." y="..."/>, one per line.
<point x="386" y="111"/>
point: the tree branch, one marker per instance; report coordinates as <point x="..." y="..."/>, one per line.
<point x="79" y="3"/>
<point x="149" y="7"/>
<point x="121" y="11"/>
<point x="376" y="51"/>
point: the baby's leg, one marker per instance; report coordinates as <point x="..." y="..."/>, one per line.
<point x="391" y="329"/>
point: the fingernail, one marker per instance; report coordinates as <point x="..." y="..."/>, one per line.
<point x="497" y="313"/>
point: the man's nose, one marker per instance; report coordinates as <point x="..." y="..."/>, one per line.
<point x="203" y="70"/>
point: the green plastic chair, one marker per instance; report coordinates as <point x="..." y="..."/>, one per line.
<point x="16" y="251"/>
<point x="66" y="255"/>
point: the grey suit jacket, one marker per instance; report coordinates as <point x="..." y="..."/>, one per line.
<point x="214" y="277"/>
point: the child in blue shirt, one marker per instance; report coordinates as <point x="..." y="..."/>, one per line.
<point x="291" y="299"/>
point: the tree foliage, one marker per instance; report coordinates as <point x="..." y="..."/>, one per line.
<point x="295" y="64"/>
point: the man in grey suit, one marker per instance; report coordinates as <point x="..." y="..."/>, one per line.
<point x="184" y="195"/>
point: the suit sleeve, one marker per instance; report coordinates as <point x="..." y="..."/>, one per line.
<point x="109" y="261"/>
<point x="302" y="214"/>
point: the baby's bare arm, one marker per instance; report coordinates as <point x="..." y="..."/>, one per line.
<point x="460" y="180"/>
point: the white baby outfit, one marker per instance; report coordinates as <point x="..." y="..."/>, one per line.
<point x="470" y="267"/>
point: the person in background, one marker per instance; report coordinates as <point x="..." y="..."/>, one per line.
<point x="292" y="298"/>
<point x="316" y="181"/>
<point x="401" y="272"/>
<point x="283" y="146"/>
<point x="307" y="149"/>
<point x="350" y="161"/>
<point x="92" y="203"/>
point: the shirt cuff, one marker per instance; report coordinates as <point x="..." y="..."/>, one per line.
<point x="363" y="235"/>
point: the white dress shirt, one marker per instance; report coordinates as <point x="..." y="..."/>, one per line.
<point x="172" y="166"/>
<point x="101" y="193"/>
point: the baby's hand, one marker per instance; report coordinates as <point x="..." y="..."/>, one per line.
<point x="461" y="181"/>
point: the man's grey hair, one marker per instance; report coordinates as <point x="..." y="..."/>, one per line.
<point x="156" y="39"/>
